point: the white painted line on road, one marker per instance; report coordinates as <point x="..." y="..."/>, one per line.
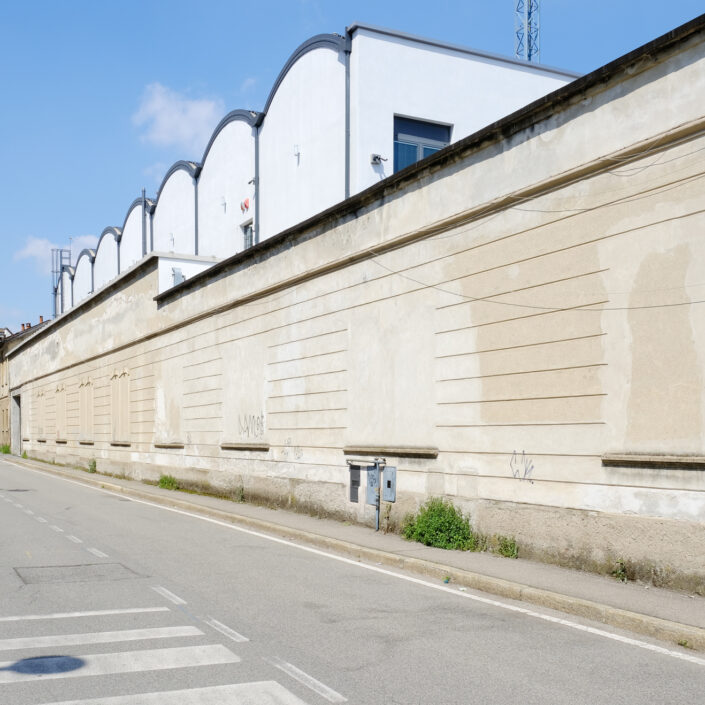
<point x="169" y="595"/>
<point x="28" y="511"/>
<point x="53" y="527"/>
<point x="73" y="538"/>
<point x="41" y="520"/>
<point x="269" y="692"/>
<point x="89" y="613"/>
<point x="309" y="681"/>
<point x="39" y="642"/>
<point x="223" y="629"/>
<point x="121" y="662"/>
<point x="18" y="505"/>
<point x="407" y="578"/>
<point x="97" y="553"/>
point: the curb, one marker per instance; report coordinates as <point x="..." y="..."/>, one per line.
<point x="654" y="627"/>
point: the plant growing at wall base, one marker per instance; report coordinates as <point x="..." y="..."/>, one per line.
<point x="168" y="482"/>
<point x="620" y="571"/>
<point x="439" y="523"/>
<point x="507" y="547"/>
<point x="24" y="454"/>
<point x="5" y="448"/>
<point x="92" y="465"/>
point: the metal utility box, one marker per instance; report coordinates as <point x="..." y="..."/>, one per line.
<point x="389" y="484"/>
<point x="372" y="484"/>
<point x="354" y="483"/>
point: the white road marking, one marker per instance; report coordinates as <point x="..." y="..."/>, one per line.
<point x="18" y="505"/>
<point x="310" y="682"/>
<point x="28" y="511"/>
<point x="73" y="538"/>
<point x="223" y="629"/>
<point x="265" y="692"/>
<point x="41" y="520"/>
<point x="97" y="553"/>
<point x="169" y="595"/>
<point x="121" y="662"/>
<point x="89" y="613"/>
<point x="407" y="578"/>
<point x="97" y="637"/>
<point x="53" y="527"/>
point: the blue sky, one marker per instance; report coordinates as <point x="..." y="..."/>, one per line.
<point x="100" y="98"/>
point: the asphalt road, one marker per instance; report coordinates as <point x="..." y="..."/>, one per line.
<point x="111" y="601"/>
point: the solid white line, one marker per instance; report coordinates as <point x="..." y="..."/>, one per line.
<point x="223" y="629"/>
<point x="97" y="553"/>
<point x="310" y="682"/>
<point x="90" y="613"/>
<point x="73" y="538"/>
<point x="264" y="692"/>
<point x="123" y="662"/>
<point x="169" y="595"/>
<point x="97" y="637"/>
<point x="53" y="527"/>
<point x="407" y="578"/>
<point x="41" y="520"/>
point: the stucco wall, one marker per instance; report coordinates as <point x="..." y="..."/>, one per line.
<point x="394" y="76"/>
<point x="223" y="185"/>
<point x="302" y="143"/>
<point x="521" y="324"/>
<point x="131" y="239"/>
<point x="174" y="216"/>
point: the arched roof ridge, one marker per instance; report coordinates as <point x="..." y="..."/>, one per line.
<point x="319" y="41"/>
<point x="251" y="117"/>
<point x="110" y="230"/>
<point x="88" y="252"/>
<point x="136" y="202"/>
<point x="68" y="268"/>
<point x="192" y="168"/>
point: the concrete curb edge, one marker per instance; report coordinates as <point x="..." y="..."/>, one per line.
<point x="647" y="625"/>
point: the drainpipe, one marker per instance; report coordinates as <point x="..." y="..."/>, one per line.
<point x="195" y="210"/>
<point x="347" y="51"/>
<point x="144" y="224"/>
<point x="256" y="230"/>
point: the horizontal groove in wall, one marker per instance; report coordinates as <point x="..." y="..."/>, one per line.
<point x="654" y="461"/>
<point x="395" y="451"/>
<point x="169" y="445"/>
<point x="244" y="445"/>
<point x="517" y="399"/>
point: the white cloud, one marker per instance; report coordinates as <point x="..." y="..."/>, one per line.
<point x="168" y="118"/>
<point x="248" y="84"/>
<point x="38" y="250"/>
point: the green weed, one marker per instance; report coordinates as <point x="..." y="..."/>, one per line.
<point x="5" y="448"/>
<point x="168" y="482"/>
<point x="24" y="454"/>
<point x="439" y="523"/>
<point x="92" y="466"/>
<point x="507" y="547"/>
<point x="620" y="571"/>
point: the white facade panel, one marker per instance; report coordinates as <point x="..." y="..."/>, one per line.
<point x="172" y="268"/>
<point x="174" y="215"/>
<point x="302" y="143"/>
<point x="105" y="266"/>
<point x="396" y="76"/>
<point x="82" y="279"/>
<point x="67" y="291"/>
<point x="131" y="241"/>
<point x="226" y="191"/>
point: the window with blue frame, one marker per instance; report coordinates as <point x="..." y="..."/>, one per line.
<point x="416" y="139"/>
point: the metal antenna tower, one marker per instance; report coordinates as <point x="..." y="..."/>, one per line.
<point x="526" y="30"/>
<point x="58" y="259"/>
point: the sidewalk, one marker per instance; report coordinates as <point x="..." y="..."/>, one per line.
<point x="654" y="612"/>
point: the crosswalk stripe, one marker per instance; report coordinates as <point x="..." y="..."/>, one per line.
<point x="309" y="681"/>
<point x="223" y="629"/>
<point x="121" y="662"/>
<point x="257" y="693"/>
<point x="169" y="595"/>
<point x="97" y="637"/>
<point x="89" y="613"/>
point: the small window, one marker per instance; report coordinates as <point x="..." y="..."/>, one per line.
<point x="417" y="139"/>
<point x="177" y="275"/>
<point x="247" y="234"/>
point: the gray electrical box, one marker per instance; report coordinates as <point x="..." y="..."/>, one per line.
<point x="354" y="483"/>
<point x="372" y="484"/>
<point x="389" y="484"/>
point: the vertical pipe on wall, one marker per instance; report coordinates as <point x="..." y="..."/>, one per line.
<point x="195" y="211"/>
<point x="347" y="50"/>
<point x="257" y="209"/>
<point x="144" y="223"/>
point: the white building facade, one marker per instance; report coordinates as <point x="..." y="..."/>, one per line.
<point x="344" y="113"/>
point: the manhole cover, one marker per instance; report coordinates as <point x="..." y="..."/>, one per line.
<point x="91" y="573"/>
